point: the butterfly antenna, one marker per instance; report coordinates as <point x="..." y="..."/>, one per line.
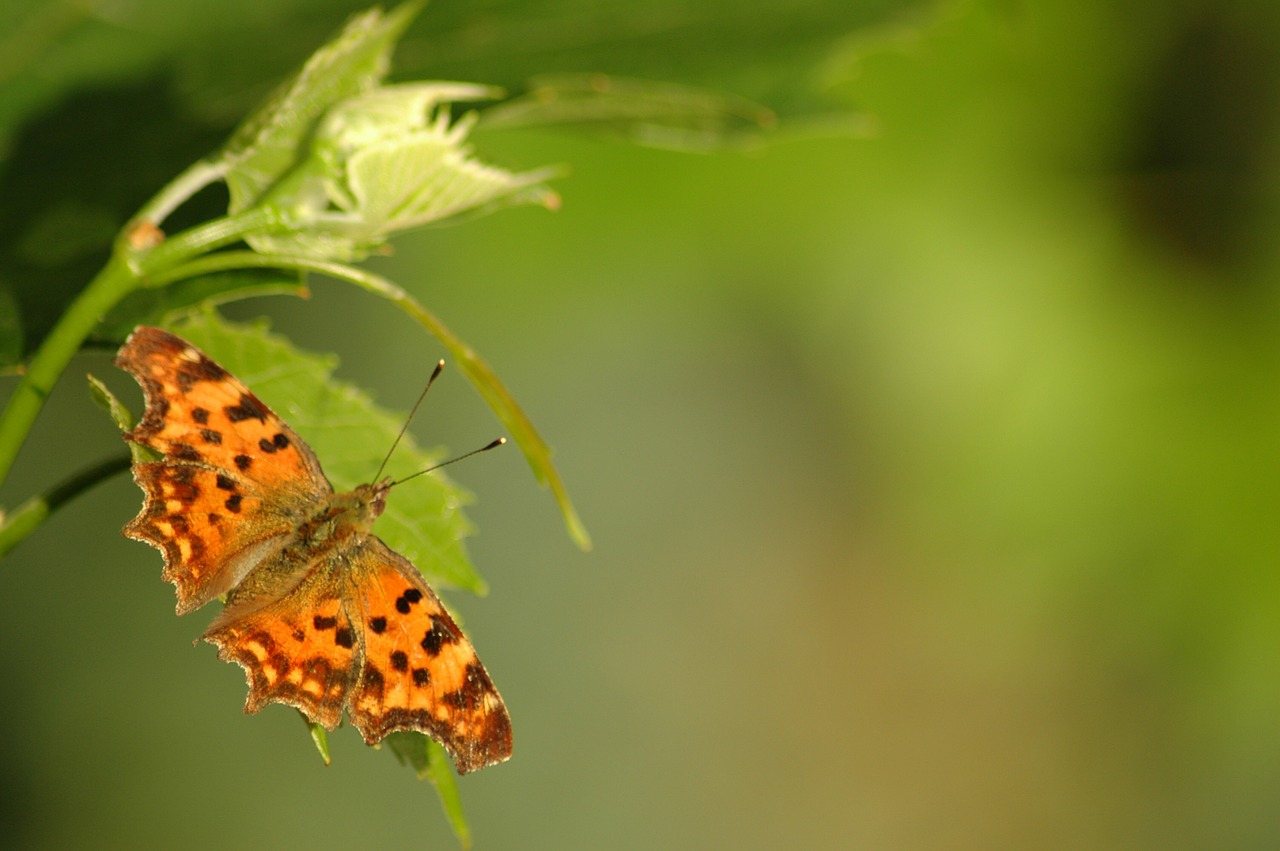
<point x="435" y="373"/>
<point x="492" y="445"/>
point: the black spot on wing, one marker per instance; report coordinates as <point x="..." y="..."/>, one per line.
<point x="469" y="697"/>
<point x="275" y="444"/>
<point x="201" y="369"/>
<point x="184" y="452"/>
<point x="248" y="408"/>
<point x="406" y="600"/>
<point x="184" y="489"/>
<point x="438" y="636"/>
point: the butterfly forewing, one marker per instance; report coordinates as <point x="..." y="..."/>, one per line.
<point x="233" y="479"/>
<point x="299" y="650"/>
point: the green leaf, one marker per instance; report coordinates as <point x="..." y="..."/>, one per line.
<point x="648" y="112"/>
<point x="428" y="176"/>
<point x="385" y="161"/>
<point x="442" y="778"/>
<point x="773" y="52"/>
<point x="107" y="401"/>
<point x="405" y="162"/>
<point x="535" y="449"/>
<point x="340" y="164"/>
<point x="160" y="305"/>
<point x="122" y="416"/>
<point x="350" y="435"/>
<point x="429" y="761"/>
<point x="410" y="749"/>
<point x="267" y="145"/>
<point x="319" y="736"/>
<point x="388" y="113"/>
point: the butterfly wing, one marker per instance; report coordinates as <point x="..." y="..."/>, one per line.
<point x="419" y="671"/>
<point x="234" y="480"/>
<point x="364" y="631"/>
<point x="300" y="649"/>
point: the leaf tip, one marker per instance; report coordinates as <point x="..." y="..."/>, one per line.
<point x="319" y="737"/>
<point x="577" y="531"/>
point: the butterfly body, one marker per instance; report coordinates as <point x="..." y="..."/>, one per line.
<point x="321" y="614"/>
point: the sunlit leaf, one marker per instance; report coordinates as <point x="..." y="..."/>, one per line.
<point x="267" y="145"/>
<point x="158" y="305"/>
<point x="386" y="161"/>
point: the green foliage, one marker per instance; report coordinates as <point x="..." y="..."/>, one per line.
<point x="344" y="161"/>
<point x="319" y="176"/>
<point x="324" y="171"/>
<point x="430" y="762"/>
<point x="269" y="142"/>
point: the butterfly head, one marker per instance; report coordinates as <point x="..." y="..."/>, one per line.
<point x="369" y="501"/>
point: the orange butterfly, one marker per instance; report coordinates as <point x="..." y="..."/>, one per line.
<point x="320" y="613"/>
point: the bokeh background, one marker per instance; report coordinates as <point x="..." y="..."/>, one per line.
<point x="929" y="447"/>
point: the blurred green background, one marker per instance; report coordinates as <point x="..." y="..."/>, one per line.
<point x="932" y="469"/>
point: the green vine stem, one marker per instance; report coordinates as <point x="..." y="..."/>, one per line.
<point x="474" y="367"/>
<point x="24" y="519"/>
<point x="199" y="175"/>
<point x="113" y="283"/>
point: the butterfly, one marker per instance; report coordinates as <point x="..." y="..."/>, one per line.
<point x="320" y="613"/>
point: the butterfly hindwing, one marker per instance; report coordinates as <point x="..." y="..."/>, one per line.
<point x="211" y="527"/>
<point x="300" y="650"/>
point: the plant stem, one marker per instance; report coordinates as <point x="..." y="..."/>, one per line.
<point x="24" y="519"/>
<point x="177" y="191"/>
<point x="150" y="266"/>
<point x="110" y="285"/>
